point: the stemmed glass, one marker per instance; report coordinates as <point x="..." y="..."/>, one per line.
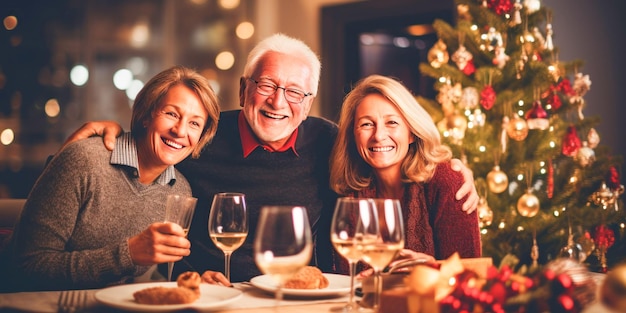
<point x="354" y="222"/>
<point x="228" y="224"/>
<point x="282" y="245"/>
<point x="179" y="209"/>
<point x="389" y="242"/>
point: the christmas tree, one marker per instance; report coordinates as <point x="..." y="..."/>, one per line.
<point x="514" y="112"/>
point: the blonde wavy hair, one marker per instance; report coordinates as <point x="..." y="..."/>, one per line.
<point x="350" y="173"/>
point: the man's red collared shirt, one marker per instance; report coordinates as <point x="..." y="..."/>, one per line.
<point x="249" y="142"/>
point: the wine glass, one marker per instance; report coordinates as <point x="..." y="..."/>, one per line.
<point x="282" y="245"/>
<point x="389" y="242"/>
<point x="179" y="209"/>
<point x="228" y="224"/>
<point x="354" y="221"/>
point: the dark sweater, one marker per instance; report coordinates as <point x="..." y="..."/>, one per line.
<point x="266" y="178"/>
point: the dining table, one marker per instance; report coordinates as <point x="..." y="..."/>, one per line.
<point x="251" y="300"/>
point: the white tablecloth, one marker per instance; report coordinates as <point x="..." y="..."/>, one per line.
<point x="46" y="301"/>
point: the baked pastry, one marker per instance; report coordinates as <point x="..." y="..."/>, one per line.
<point x="187" y="291"/>
<point x="308" y="277"/>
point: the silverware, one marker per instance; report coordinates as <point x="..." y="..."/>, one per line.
<point x="71" y="301"/>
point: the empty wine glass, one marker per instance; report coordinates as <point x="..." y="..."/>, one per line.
<point x="179" y="209"/>
<point x="389" y="242"/>
<point x="282" y="245"/>
<point x="354" y="221"/>
<point x="228" y="224"/>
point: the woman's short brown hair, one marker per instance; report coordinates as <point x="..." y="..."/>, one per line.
<point x="148" y="99"/>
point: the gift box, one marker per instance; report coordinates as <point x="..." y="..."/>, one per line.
<point x="418" y="287"/>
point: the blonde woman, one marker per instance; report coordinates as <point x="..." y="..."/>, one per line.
<point x="389" y="147"/>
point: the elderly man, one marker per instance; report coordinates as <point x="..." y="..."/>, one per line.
<point x="271" y="150"/>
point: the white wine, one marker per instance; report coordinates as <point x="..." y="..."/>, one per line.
<point x="282" y="268"/>
<point x="229" y="242"/>
<point x="348" y="248"/>
<point x="379" y="255"/>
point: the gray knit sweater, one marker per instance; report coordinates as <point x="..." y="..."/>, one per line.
<point x="75" y="225"/>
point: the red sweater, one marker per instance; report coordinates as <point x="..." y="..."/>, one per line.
<point x="434" y="222"/>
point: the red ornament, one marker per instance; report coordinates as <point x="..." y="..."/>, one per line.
<point x="550" y="189"/>
<point x="555" y="101"/>
<point x="537" y="117"/>
<point x="565" y="87"/>
<point x="571" y="142"/>
<point x="487" y="97"/>
<point x="500" y="6"/>
<point x="612" y="179"/>
<point x="469" y="68"/>
<point x="603" y="237"/>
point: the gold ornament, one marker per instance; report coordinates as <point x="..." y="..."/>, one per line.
<point x="517" y="128"/>
<point x="438" y="54"/>
<point x="497" y="180"/>
<point x="606" y="197"/>
<point x="485" y="214"/>
<point x="528" y="204"/>
<point x="613" y="289"/>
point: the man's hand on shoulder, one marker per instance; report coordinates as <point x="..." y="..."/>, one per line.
<point x="467" y="189"/>
<point x="107" y="129"/>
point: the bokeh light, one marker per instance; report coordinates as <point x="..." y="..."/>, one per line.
<point x="229" y="4"/>
<point x="7" y="136"/>
<point x="244" y="30"/>
<point x="79" y="75"/>
<point x="10" y="22"/>
<point x="52" y="108"/>
<point x="122" y="79"/>
<point x="133" y="89"/>
<point x="224" y="60"/>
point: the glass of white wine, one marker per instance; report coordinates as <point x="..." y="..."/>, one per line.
<point x="179" y="209"/>
<point x="354" y="221"/>
<point x="228" y="224"/>
<point x="390" y="241"/>
<point x="282" y="245"/>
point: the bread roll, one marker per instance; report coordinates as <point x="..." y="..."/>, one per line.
<point x="308" y="277"/>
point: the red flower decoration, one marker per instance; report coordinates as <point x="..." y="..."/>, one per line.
<point x="500" y="6"/>
<point x="487" y="97"/>
<point x="603" y="237"/>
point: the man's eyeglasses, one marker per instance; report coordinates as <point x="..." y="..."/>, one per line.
<point x="292" y="95"/>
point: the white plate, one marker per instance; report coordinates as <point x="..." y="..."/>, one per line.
<point x="121" y="297"/>
<point x="338" y="285"/>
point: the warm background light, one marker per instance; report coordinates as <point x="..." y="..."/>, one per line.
<point x="52" y="108"/>
<point x="245" y="30"/>
<point x="7" y="136"/>
<point x="10" y="22"/>
<point x="224" y="60"/>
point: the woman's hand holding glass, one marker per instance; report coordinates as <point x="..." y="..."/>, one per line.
<point x="228" y="228"/>
<point x="179" y="210"/>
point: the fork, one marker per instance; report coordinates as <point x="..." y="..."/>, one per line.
<point x="71" y="301"/>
